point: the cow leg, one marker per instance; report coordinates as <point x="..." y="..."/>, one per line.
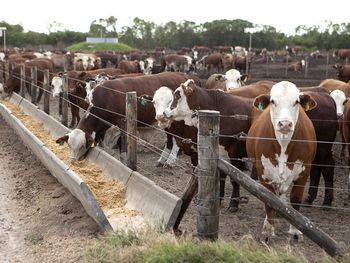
<point x="315" y="176"/>
<point x="328" y="176"/>
<point x="75" y="115"/>
<point x="268" y="230"/>
<point x="235" y="196"/>
<point x="296" y="197"/>
<point x="173" y="154"/>
<point x="40" y="94"/>
<point x="166" y="152"/>
<point x="60" y="102"/>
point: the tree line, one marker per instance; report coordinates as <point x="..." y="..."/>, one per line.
<point x="146" y="35"/>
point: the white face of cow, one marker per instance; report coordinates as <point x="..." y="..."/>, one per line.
<point x="181" y="111"/>
<point x="2" y="56"/>
<point x="233" y="79"/>
<point x="162" y="99"/>
<point x="77" y="144"/>
<point x="284" y="109"/>
<point x="340" y="100"/>
<point x="90" y="86"/>
<point x="57" y="84"/>
<point x="149" y="66"/>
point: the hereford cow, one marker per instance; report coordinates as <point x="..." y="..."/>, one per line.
<point x="342" y="54"/>
<point x="63" y="61"/>
<point x="13" y="84"/>
<point x="178" y="63"/>
<point x="108" y="108"/>
<point x="343" y="72"/>
<point x="189" y="98"/>
<point x="346" y="132"/>
<point x="76" y="88"/>
<point x="231" y="80"/>
<point x="213" y="62"/>
<point x="296" y="66"/>
<point x="287" y="157"/>
<point x="129" y="66"/>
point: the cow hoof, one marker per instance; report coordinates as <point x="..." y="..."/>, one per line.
<point x="159" y="165"/>
<point x="307" y="203"/>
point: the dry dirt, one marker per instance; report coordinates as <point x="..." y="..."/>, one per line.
<point x="42" y="222"/>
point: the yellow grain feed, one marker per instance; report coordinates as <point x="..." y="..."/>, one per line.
<point x="109" y="193"/>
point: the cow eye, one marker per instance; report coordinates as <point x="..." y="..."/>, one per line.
<point x="273" y="102"/>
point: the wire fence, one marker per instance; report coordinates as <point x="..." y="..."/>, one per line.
<point x="183" y="167"/>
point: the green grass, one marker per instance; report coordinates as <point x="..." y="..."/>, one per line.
<point x="93" y="47"/>
<point x="153" y="247"/>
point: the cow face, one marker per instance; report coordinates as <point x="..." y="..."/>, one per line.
<point x="179" y="108"/>
<point x="284" y="100"/>
<point x="234" y="79"/>
<point x="340" y="100"/>
<point x="162" y="99"/>
<point x="57" y="84"/>
<point x="79" y="143"/>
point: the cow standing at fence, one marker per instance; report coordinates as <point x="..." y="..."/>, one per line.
<point x="108" y="108"/>
<point x="282" y="144"/>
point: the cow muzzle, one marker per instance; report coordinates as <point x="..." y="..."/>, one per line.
<point x="285" y="126"/>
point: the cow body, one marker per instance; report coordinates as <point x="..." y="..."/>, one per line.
<point x="343" y="72"/>
<point x="13" y="84"/>
<point x="285" y="158"/>
<point x="189" y="98"/>
<point x="108" y="104"/>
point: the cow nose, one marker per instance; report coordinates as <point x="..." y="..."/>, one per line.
<point x="285" y="125"/>
<point x="340" y="115"/>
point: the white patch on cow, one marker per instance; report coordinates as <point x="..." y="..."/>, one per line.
<point x="173" y="155"/>
<point x="149" y="66"/>
<point x="164" y="156"/>
<point x="280" y="177"/>
<point x="182" y="110"/>
<point x="293" y="231"/>
<point x="1" y="88"/>
<point x="162" y="99"/>
<point x="77" y="144"/>
<point x="142" y="65"/>
<point x="268" y="229"/>
<point x="2" y="56"/>
<point x="339" y="98"/>
<point x="93" y="135"/>
<point x="233" y="79"/>
<point x="284" y="110"/>
<point x="57" y="84"/>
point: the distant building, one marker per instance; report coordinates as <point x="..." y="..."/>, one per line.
<point x="102" y="40"/>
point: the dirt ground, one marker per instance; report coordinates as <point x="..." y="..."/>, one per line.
<point x="41" y="222"/>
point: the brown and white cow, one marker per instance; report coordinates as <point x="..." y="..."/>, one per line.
<point x="13" y="84"/>
<point x="108" y="108"/>
<point x="189" y="98"/>
<point x="178" y="63"/>
<point x="231" y="80"/>
<point x="285" y="155"/>
<point x="343" y="72"/>
<point x="342" y="54"/>
<point x="297" y="66"/>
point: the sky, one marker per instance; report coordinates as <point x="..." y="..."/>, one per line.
<point x="77" y="15"/>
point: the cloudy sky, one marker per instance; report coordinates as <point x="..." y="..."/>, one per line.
<point x="77" y="15"/>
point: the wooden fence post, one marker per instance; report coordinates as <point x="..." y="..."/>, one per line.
<point x="131" y="128"/>
<point x="46" y="87"/>
<point x="64" y="119"/>
<point x="23" y="80"/>
<point x="34" y="84"/>
<point x="208" y="177"/>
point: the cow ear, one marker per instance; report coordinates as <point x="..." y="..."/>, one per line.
<point x="62" y="139"/>
<point x="261" y="102"/>
<point x="143" y="99"/>
<point x="307" y="102"/>
<point x="90" y="142"/>
<point x="220" y="77"/>
<point x="244" y="77"/>
<point x="187" y="91"/>
<point x="346" y="100"/>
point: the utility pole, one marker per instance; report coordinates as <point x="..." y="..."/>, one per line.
<point x="3" y="32"/>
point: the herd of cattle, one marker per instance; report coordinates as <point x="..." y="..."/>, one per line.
<point x="287" y="131"/>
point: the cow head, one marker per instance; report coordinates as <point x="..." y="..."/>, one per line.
<point x="340" y="100"/>
<point x="162" y="99"/>
<point x="79" y="143"/>
<point x="234" y="79"/>
<point x="57" y="84"/>
<point x="179" y="108"/>
<point x="284" y="100"/>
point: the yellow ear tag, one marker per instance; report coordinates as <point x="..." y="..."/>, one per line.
<point x="93" y="145"/>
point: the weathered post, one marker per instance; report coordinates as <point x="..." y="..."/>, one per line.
<point x="64" y="119"/>
<point x="131" y="128"/>
<point x="23" y="81"/>
<point x="7" y="71"/>
<point x="34" y="83"/>
<point x="208" y="177"/>
<point x="46" y="87"/>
